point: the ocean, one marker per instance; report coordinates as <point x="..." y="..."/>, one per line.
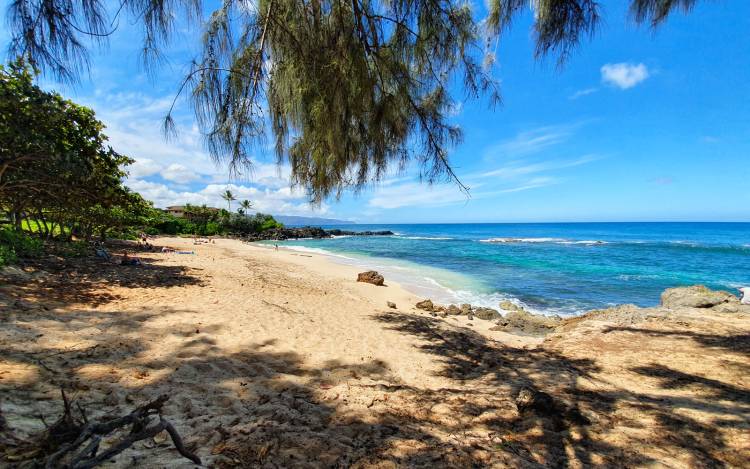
<point x="550" y="268"/>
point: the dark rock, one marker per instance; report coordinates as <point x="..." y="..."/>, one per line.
<point x="541" y="404"/>
<point x="425" y="305"/>
<point x="488" y="314"/>
<point x="280" y="234"/>
<point x="531" y="400"/>
<point x="371" y="277"/>
<point x="391" y="304"/>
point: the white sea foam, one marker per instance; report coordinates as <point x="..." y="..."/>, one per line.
<point x="542" y="240"/>
<point x="520" y="240"/>
<point x="585" y="241"/>
<point x="441" y="285"/>
<point x="316" y="251"/>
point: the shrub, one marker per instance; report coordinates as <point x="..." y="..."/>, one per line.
<point x="7" y="256"/>
<point x="20" y="244"/>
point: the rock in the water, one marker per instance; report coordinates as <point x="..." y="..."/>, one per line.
<point x="391" y="304"/>
<point x="465" y="308"/>
<point x="371" y="277"/>
<point x="488" y="314"/>
<point x="696" y="296"/>
<point x="425" y="305"/>
<point x="527" y="323"/>
<point x="453" y="310"/>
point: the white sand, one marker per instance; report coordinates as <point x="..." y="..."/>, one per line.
<point x="281" y="359"/>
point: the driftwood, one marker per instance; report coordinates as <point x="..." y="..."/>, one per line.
<point x="73" y="443"/>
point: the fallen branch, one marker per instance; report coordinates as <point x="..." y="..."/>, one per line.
<point x="141" y="428"/>
<point x="74" y="442"/>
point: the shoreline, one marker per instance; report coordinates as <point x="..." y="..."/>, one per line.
<point x="280" y="359"/>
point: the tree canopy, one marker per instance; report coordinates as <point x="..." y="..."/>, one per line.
<point x="346" y="89"/>
<point x="55" y="166"/>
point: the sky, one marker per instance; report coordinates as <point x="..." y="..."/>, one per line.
<point x="639" y="125"/>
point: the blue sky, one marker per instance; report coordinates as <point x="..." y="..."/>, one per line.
<point x="639" y="125"/>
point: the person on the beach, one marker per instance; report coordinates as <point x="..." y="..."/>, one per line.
<point x="276" y="246"/>
<point x="126" y="260"/>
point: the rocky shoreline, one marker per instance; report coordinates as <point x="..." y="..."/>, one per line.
<point x="516" y="320"/>
<point x="313" y="232"/>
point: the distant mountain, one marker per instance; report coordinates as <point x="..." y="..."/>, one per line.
<point x="291" y="220"/>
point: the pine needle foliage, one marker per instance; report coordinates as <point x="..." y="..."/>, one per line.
<point x="347" y="90"/>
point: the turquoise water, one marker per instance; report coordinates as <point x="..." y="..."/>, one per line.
<point x="551" y="268"/>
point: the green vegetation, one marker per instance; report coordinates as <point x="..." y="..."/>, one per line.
<point x="205" y="221"/>
<point x="60" y="181"/>
<point x="346" y="90"/>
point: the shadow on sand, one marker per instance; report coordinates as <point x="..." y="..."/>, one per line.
<point x="268" y="408"/>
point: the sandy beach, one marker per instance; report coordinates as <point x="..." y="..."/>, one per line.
<point x="281" y="359"/>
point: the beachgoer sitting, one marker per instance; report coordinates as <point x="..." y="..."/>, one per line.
<point x="126" y="260"/>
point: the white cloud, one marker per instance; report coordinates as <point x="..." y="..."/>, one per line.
<point x="530" y="141"/>
<point x="178" y="173"/>
<point x="624" y="75"/>
<point x="285" y="201"/>
<point x="582" y="93"/>
<point x="524" y="169"/>
<point x="143" y="167"/>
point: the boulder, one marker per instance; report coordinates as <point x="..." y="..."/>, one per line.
<point x="425" y="305"/>
<point x="391" y="304"/>
<point x="510" y="306"/>
<point x="696" y="296"/>
<point x="453" y="310"/>
<point x="465" y="309"/>
<point x="527" y="323"/>
<point x="488" y="314"/>
<point x="371" y="277"/>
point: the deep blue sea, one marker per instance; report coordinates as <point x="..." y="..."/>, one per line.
<point x="564" y="268"/>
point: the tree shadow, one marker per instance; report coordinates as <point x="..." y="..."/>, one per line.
<point x="85" y="280"/>
<point x="610" y="412"/>
<point x="260" y="405"/>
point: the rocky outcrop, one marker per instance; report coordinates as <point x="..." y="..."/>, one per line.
<point x="696" y="296"/>
<point x="425" y="305"/>
<point x="453" y="310"/>
<point x="488" y="314"/>
<point x="371" y="277"/>
<point x="521" y="321"/>
<point x="359" y="233"/>
<point x="280" y="234"/>
<point x="510" y="306"/>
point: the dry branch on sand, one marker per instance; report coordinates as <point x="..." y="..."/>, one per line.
<point x="74" y="442"/>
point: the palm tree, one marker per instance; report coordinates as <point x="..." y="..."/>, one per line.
<point x="246" y="205"/>
<point x="229" y="197"/>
